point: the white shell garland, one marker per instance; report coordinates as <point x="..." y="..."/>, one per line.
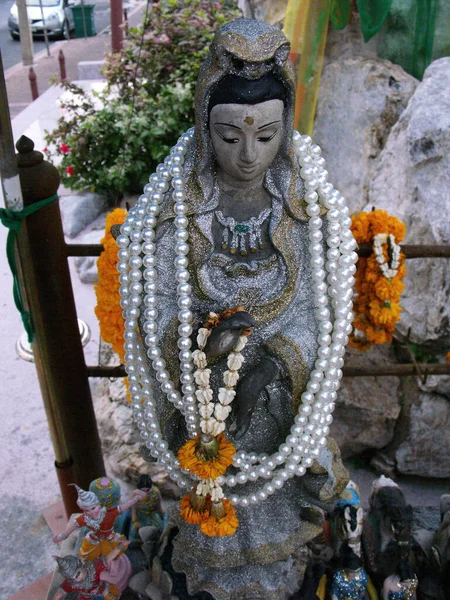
<point x="333" y="280"/>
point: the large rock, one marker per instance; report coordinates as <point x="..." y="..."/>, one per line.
<point x="119" y="434"/>
<point x="426" y="452"/>
<point x="360" y="99"/>
<point x="79" y="211"/>
<point x="367" y="407"/>
<point x="413" y="182"/>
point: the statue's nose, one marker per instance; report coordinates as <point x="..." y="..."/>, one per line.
<point x="248" y="154"/>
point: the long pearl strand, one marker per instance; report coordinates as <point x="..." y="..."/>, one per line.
<point x="333" y="280"/>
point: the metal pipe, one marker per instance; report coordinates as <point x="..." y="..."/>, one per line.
<point x="412" y="250"/>
<point x="398" y="370"/>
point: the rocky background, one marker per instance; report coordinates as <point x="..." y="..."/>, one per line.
<point x="386" y="139"/>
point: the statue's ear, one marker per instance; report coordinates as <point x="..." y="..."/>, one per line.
<point x="347" y="512"/>
<point x="282" y="54"/>
<point x="359" y="514"/>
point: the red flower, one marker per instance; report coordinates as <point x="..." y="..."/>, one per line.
<point x="64" y="148"/>
<point x="45" y="149"/>
<point x="70" y="171"/>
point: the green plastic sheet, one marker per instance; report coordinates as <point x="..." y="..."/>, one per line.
<point x="340" y="13"/>
<point x="373" y="14"/>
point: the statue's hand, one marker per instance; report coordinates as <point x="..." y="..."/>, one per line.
<point x="247" y="394"/>
<point x="225" y="336"/>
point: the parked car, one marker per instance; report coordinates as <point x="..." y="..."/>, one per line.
<point x="55" y="14"/>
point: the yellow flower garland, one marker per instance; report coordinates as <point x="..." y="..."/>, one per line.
<point x="377" y="299"/>
<point x="108" y="309"/>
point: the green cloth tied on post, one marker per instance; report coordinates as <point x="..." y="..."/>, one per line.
<point x="13" y="221"/>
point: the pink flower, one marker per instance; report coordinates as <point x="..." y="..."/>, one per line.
<point x="70" y="171"/>
<point x="45" y="149"/>
<point x="64" y="148"/>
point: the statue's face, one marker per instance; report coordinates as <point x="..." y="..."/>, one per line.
<point x="93" y="511"/>
<point x="246" y="138"/>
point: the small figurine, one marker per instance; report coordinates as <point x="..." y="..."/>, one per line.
<point x="147" y="512"/>
<point x="351" y="496"/>
<point x="352" y="581"/>
<point x="402" y="585"/>
<point x="101" y="538"/>
<point x="85" y="580"/>
<point x="347" y="527"/>
<point x="440" y="555"/>
<point x="387" y="536"/>
<point x="108" y="492"/>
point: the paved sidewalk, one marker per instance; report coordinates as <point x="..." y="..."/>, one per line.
<point x="47" y="67"/>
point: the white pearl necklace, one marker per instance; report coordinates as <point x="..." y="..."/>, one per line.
<point x="333" y="281"/>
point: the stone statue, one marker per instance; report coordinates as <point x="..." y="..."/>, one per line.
<point x="236" y="266"/>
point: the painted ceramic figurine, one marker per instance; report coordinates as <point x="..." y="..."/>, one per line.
<point x="387" y="536"/>
<point x="402" y="585"/>
<point x="101" y="538"/>
<point x="244" y="248"/>
<point x="85" y="580"/>
<point x="108" y="493"/>
<point x="147" y="512"/>
<point x="347" y="520"/>
<point x="352" y="581"/>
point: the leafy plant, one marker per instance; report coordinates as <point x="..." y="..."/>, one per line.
<point x="109" y="141"/>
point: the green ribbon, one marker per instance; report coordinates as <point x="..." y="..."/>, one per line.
<point x="13" y="221"/>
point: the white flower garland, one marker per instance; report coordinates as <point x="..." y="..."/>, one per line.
<point x="378" y="241"/>
<point x="332" y="283"/>
<point x="213" y="425"/>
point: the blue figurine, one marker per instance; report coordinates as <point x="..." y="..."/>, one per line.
<point x="352" y="581"/>
<point x="148" y="513"/>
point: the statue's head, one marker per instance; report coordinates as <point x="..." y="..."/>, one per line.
<point x="246" y="88"/>
<point x="88" y="502"/>
<point x="107" y="491"/>
<point x="71" y="567"/>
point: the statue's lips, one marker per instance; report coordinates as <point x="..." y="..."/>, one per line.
<point x="248" y="168"/>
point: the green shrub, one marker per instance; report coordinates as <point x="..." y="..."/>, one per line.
<point x="110" y="141"/>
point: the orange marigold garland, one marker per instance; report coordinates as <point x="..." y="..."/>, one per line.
<point x="378" y="279"/>
<point x="108" y="309"/>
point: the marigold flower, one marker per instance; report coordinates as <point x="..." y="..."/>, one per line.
<point x="210" y="468"/>
<point x="190" y="514"/>
<point x="222" y="526"/>
<point x="376" y="303"/>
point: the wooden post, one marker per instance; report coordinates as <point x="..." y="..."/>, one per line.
<point x="62" y="66"/>
<point x="57" y="346"/>
<point x="33" y="84"/>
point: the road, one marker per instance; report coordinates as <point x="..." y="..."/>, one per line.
<point x="11" y="53"/>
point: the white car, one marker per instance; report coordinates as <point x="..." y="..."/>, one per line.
<point x="56" y="15"/>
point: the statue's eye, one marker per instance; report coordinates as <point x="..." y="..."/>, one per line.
<point x="267" y="138"/>
<point x="228" y="140"/>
